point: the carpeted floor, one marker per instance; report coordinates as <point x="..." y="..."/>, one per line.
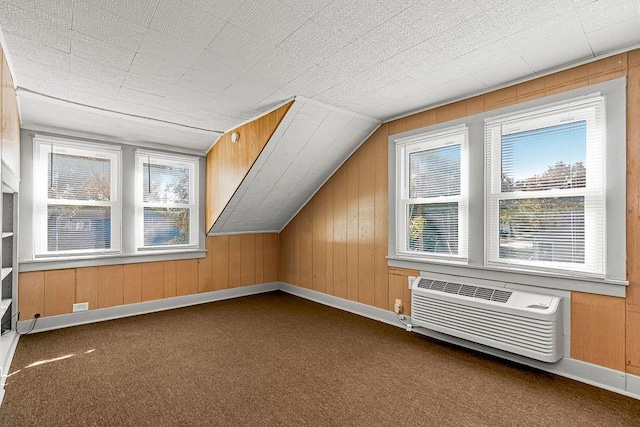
<point x="275" y="359"/>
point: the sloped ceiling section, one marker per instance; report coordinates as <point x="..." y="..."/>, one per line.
<point x="311" y="142"/>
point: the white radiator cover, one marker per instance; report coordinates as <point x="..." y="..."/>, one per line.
<point x="518" y="322"/>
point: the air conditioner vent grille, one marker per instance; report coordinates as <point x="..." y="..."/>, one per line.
<point x="489" y="294"/>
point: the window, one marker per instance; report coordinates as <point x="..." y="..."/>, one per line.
<point x="431" y="175"/>
<point x="77" y="205"/>
<point x="545" y="188"/>
<point x="166" y="201"/>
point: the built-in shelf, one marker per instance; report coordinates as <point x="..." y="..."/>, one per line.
<point x="7" y="234"/>
<point x="6" y="272"/>
<point x="4" y="306"/>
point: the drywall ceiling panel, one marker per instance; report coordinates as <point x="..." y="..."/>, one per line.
<point x="97" y="23"/>
<point x="596" y="15"/>
<point x="185" y="24"/>
<point x="270" y="20"/>
<point x="139" y="11"/>
<point x="101" y="52"/>
<point x="97" y="71"/>
<point x="143" y="65"/>
<point x="35" y="26"/>
<point x="57" y="11"/>
<point x="310" y="143"/>
<point x="605" y="39"/>
<point x="45" y="114"/>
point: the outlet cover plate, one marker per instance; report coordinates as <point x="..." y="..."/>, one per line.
<point x="81" y="306"/>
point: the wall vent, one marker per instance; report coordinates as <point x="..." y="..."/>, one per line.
<point x="519" y="322"/>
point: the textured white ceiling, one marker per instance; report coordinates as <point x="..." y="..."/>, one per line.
<point x="212" y="64"/>
<point x="309" y="144"/>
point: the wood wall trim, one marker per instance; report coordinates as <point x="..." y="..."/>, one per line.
<point x="228" y="163"/>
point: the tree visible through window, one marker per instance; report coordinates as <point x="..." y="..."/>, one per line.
<point x="431" y="195"/>
<point x="75" y="197"/>
<point x="546" y="187"/>
<point x="167" y="185"/>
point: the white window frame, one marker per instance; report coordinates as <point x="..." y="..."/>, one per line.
<point x="156" y="157"/>
<point x="590" y="110"/>
<point x="456" y="135"/>
<point x="42" y="148"/>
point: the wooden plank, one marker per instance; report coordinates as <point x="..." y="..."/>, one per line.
<point x="328" y="237"/>
<point x="563" y="81"/>
<point x="531" y="89"/>
<point x="608" y="68"/>
<point x="59" y="291"/>
<point x="406" y="299"/>
<point x="500" y="98"/>
<point x="205" y="268"/>
<point x="259" y="258"/>
<point x="247" y="259"/>
<point x="110" y="286"/>
<point x="340" y="233"/>
<point x="297" y="255"/>
<point x="235" y="260"/>
<point x="598" y="330"/>
<point x="380" y="197"/>
<point x="632" y="342"/>
<point x="318" y="240"/>
<point x="31" y="294"/>
<point x="220" y="262"/>
<point x="305" y="232"/>
<point x="633" y="188"/>
<point x="366" y="222"/>
<point x="132" y="283"/>
<point x="186" y="277"/>
<point x="152" y="281"/>
<point x="228" y="162"/>
<point x="286" y="256"/>
<point x="414" y="121"/>
<point x="451" y="111"/>
<point x="87" y="286"/>
<point x="169" y="279"/>
<point x="352" y="226"/>
<point x="396" y="289"/>
<point x="271" y="257"/>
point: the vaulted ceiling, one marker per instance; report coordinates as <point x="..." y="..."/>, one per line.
<point x="201" y="67"/>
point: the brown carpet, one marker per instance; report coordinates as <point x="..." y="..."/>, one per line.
<point x="275" y="359"/>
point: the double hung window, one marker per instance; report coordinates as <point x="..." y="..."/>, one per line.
<point x="166" y="201"/>
<point x="432" y="195"/>
<point x="545" y="201"/>
<point x="77" y="203"/>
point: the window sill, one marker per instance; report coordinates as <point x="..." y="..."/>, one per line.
<point x="100" y="260"/>
<point x="510" y="276"/>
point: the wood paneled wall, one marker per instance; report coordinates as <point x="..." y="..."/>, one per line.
<point x="338" y="242"/>
<point x="10" y="123"/>
<point x="237" y="260"/>
<point x="228" y="162"/>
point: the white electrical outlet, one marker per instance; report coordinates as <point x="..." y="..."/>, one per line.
<point x="81" y="306"/>
<point x="397" y="306"/>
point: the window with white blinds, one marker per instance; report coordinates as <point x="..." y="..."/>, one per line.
<point x="77" y="204"/>
<point x="166" y="201"/>
<point x="545" y="197"/>
<point x="431" y="179"/>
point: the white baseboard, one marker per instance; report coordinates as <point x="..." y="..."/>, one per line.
<point x="609" y="379"/>
<point x="599" y="376"/>
<point x="102" y="314"/>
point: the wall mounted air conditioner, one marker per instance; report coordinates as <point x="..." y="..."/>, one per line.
<point x="518" y="322"/>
